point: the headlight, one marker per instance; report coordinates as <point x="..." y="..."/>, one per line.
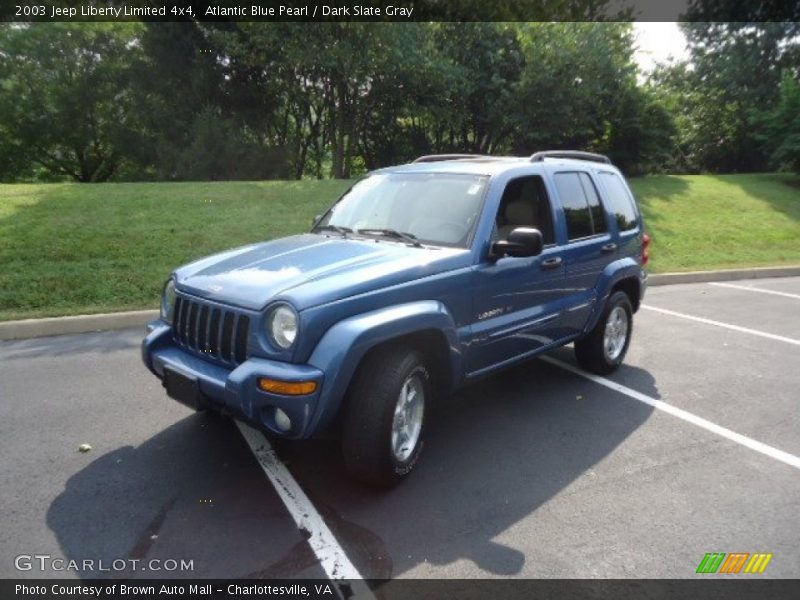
<point x="282" y="326"/>
<point x="168" y="301"/>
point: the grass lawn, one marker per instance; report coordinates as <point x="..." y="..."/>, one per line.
<point x="84" y="248"/>
<point x="72" y="248"/>
<point x="701" y="222"/>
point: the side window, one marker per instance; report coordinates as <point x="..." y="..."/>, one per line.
<point x="620" y="202"/>
<point x="525" y="204"/>
<point x="595" y="207"/>
<point x="575" y="205"/>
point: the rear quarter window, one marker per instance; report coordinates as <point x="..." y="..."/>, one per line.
<point x="619" y="201"/>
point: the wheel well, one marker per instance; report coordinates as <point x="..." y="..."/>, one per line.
<point x="432" y="343"/>
<point x="629" y="285"/>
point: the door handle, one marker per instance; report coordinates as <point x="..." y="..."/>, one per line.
<point x="551" y="263"/>
<point x="609" y="248"/>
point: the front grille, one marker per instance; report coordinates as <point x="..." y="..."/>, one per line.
<point x="212" y="331"/>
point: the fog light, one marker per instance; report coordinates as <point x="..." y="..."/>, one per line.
<point x="288" y="388"/>
<point x="282" y="420"/>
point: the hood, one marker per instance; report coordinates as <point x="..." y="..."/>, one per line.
<point x="311" y="269"/>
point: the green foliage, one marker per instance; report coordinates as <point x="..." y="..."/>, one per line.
<point x="579" y="90"/>
<point x="217" y="149"/>
<point x="65" y="104"/>
<point x="483" y="60"/>
<point x="203" y="121"/>
<point x="645" y="140"/>
<point x="211" y="101"/>
<point x="722" y="98"/>
<point x="784" y="126"/>
<point x="575" y="71"/>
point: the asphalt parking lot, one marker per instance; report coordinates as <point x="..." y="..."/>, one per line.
<point x="537" y="472"/>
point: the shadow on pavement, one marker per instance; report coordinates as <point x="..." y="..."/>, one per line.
<point x="497" y="452"/>
<point x="192" y="492"/>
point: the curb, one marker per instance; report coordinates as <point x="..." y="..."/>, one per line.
<point x="33" y="328"/>
<point x="722" y="275"/>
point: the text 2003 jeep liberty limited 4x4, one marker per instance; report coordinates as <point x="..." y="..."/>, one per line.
<point x="419" y="279"/>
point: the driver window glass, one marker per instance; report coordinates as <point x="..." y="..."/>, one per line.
<point x="525" y="204"/>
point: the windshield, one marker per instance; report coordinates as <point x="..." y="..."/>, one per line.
<point x="433" y="208"/>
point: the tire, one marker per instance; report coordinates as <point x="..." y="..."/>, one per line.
<point x="602" y="355"/>
<point x="373" y="434"/>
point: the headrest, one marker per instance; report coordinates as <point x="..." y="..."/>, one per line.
<point x="520" y="212"/>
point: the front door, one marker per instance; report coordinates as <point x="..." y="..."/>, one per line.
<point x="518" y="301"/>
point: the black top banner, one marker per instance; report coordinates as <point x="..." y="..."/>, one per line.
<point x="398" y="11"/>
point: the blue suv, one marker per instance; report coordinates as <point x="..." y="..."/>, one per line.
<point x="420" y="279"/>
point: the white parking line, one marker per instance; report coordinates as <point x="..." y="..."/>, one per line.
<point x="771" y="336"/>
<point x="322" y="541"/>
<point x="754" y="289"/>
<point x="743" y="440"/>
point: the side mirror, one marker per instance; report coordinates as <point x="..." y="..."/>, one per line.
<point x="521" y="242"/>
<point x="315" y="220"/>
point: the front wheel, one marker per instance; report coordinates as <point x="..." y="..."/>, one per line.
<point x="603" y="350"/>
<point x="384" y="421"/>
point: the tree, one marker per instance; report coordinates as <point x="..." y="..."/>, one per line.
<point x="642" y="136"/>
<point x="485" y="63"/>
<point x="784" y="126"/>
<point x="723" y="95"/>
<point x="579" y="90"/>
<point x="340" y="90"/>
<point x="65" y="102"/>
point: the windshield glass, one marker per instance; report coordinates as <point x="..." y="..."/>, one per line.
<point x="434" y="208"/>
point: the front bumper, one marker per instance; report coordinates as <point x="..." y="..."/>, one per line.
<point x="236" y="390"/>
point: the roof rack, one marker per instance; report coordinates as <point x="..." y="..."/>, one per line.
<point x="574" y="154"/>
<point x="438" y="157"/>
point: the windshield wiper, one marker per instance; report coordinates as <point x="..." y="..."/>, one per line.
<point x="409" y="238"/>
<point x="338" y="229"/>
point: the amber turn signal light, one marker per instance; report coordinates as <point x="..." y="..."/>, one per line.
<point x="288" y="388"/>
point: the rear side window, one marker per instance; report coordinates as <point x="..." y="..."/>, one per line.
<point x="620" y="202"/>
<point x="582" y="209"/>
<point x="595" y="208"/>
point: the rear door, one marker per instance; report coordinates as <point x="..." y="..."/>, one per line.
<point x="623" y="213"/>
<point x="589" y="242"/>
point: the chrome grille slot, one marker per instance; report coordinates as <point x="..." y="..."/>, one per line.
<point x="214" y="332"/>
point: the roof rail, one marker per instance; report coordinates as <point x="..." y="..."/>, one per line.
<point x="438" y="157"/>
<point x="574" y="154"/>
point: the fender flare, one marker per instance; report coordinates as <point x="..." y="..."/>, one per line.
<point x="624" y="268"/>
<point x="341" y="349"/>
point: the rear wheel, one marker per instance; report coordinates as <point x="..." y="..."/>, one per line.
<point x="384" y="422"/>
<point x="603" y="350"/>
